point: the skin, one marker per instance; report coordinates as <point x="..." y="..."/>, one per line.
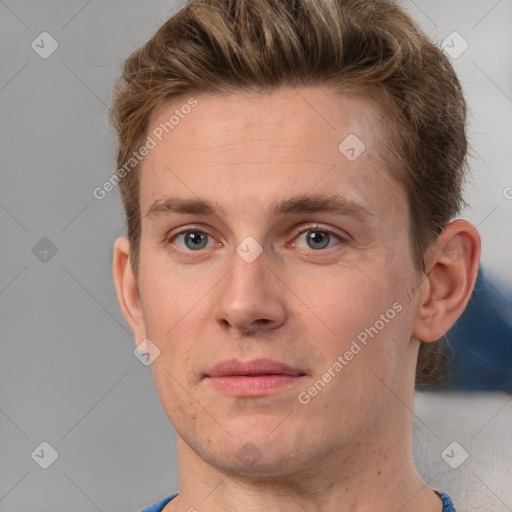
<point x="350" y="447"/>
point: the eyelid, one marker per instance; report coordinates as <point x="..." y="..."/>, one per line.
<point x="185" y="229"/>
<point x="327" y="229"/>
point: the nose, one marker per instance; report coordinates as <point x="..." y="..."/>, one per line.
<point x="250" y="298"/>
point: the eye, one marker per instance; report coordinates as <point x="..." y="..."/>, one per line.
<point x="318" y="238"/>
<point x="191" y="240"/>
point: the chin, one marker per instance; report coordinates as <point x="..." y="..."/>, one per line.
<point x="251" y="461"/>
<point x="257" y="452"/>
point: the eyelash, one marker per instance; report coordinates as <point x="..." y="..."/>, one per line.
<point x="196" y="229"/>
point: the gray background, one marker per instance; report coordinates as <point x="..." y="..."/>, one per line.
<point x="68" y="373"/>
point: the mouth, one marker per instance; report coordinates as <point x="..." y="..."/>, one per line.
<point x="258" y="377"/>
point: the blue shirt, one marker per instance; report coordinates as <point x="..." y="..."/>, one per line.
<point x="158" y="507"/>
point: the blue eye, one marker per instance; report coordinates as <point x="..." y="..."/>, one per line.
<point x="192" y="240"/>
<point x="317" y="239"/>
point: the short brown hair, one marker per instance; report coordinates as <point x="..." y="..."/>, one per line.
<point x="369" y="46"/>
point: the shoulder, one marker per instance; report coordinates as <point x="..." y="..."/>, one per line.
<point x="158" y="507"/>
<point x="447" y="501"/>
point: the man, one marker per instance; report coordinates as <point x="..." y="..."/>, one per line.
<point x="290" y="172"/>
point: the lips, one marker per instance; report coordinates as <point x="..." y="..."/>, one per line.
<point x="256" y="378"/>
<point x="254" y="368"/>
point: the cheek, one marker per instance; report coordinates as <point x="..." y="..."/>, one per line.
<point x="361" y="316"/>
<point x="173" y="324"/>
<point x="347" y="299"/>
<point x="169" y="297"/>
<point x="364" y="348"/>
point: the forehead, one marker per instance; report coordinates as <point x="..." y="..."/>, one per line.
<point x="302" y="116"/>
<point x="245" y="147"/>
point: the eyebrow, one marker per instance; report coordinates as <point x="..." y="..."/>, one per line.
<point x="336" y="204"/>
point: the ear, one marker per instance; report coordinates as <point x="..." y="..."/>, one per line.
<point x="451" y="270"/>
<point x="126" y="287"/>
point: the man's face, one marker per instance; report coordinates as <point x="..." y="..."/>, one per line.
<point x="268" y="274"/>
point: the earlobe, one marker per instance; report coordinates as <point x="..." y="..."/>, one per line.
<point x="452" y="266"/>
<point x="126" y="288"/>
